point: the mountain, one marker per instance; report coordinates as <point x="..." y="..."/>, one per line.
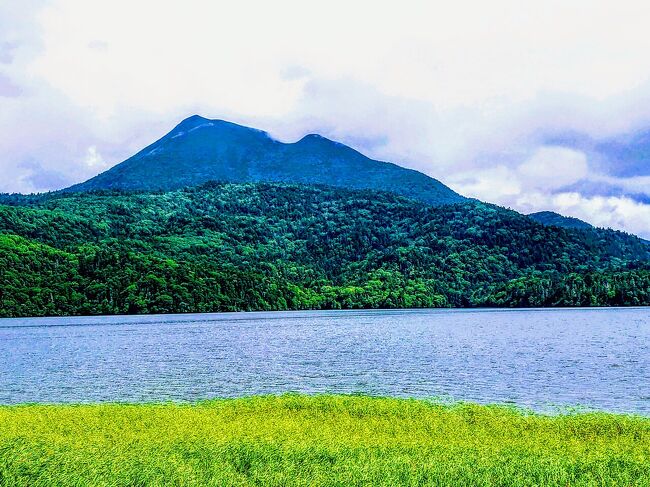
<point x="557" y="220"/>
<point x="200" y="150"/>
<point x="261" y="246"/>
<point x="219" y="217"/>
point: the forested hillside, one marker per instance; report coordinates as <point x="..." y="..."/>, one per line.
<point x="226" y="247"/>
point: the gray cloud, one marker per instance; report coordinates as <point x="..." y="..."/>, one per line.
<point x="7" y="52"/>
<point x="42" y="179"/>
<point x="7" y="88"/>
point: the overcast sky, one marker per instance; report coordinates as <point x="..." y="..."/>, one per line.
<point x="537" y="105"/>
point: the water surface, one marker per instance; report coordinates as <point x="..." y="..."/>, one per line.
<point x="596" y="358"/>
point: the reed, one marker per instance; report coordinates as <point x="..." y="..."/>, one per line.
<point x="317" y="440"/>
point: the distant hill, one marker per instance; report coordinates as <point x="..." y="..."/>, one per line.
<point x="557" y="220"/>
<point x="199" y="150"/>
<point x="227" y="247"/>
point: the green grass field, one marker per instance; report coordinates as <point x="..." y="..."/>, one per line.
<point x="317" y="440"/>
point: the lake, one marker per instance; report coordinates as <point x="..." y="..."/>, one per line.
<point x="539" y="358"/>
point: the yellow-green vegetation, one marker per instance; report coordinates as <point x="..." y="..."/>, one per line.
<point x="318" y="440"/>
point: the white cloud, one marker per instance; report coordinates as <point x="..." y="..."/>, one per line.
<point x="619" y="213"/>
<point x="546" y="169"/>
<point x="536" y="185"/>
<point x="554" y="167"/>
<point x="94" y="159"/>
<point x="498" y="184"/>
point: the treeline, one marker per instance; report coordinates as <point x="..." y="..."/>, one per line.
<point x="609" y="288"/>
<point x="38" y="280"/>
<point x="274" y="247"/>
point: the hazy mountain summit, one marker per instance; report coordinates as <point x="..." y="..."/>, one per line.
<point x="199" y="150"/>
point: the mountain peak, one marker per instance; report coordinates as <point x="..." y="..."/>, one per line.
<point x="315" y="137"/>
<point x="194" y="118"/>
<point x="195" y="122"/>
<point x="319" y="140"/>
<point x="191" y="121"/>
<point x="199" y="150"/>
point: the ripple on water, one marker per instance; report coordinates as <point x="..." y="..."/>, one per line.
<point x="594" y="358"/>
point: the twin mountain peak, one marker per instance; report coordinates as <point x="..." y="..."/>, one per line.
<point x="199" y="150"/>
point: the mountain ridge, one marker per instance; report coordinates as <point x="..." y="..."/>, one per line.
<point x="198" y="150"/>
<point x="558" y="220"/>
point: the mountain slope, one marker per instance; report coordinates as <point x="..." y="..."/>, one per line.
<point x="557" y="220"/>
<point x="226" y="247"/>
<point x="200" y="150"/>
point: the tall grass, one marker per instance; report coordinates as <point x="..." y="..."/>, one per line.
<point x="317" y="440"/>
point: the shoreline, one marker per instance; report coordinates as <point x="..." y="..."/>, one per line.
<point x="450" y="404"/>
<point x="340" y="310"/>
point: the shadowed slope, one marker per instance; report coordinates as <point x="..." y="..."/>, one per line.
<point x="200" y="150"/>
<point x="557" y="220"/>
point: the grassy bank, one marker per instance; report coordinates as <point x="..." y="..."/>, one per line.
<point x="321" y="440"/>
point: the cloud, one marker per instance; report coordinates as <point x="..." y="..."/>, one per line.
<point x="510" y="103"/>
<point x="40" y="179"/>
<point x="98" y="45"/>
<point x="7" y="88"/>
<point x="619" y="213"/>
<point x="554" y="167"/>
<point x="633" y="185"/>
<point x="545" y="170"/>
<point x="497" y="184"/>
<point x="94" y="159"/>
<point x="6" y="52"/>
<point x="541" y="181"/>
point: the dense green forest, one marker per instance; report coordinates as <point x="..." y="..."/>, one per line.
<point x="227" y="247"/>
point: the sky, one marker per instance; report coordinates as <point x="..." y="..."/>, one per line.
<point x="537" y="105"/>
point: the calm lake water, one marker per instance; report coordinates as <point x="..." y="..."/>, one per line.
<point x="596" y="358"/>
